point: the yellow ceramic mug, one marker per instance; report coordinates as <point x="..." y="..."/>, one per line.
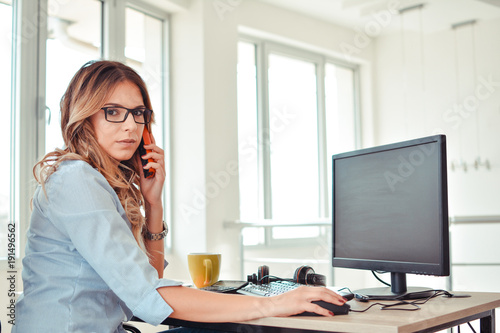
<point x="204" y="268"/>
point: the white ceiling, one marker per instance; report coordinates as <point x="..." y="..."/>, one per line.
<point x="357" y="14"/>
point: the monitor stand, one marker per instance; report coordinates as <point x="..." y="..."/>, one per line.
<point x="397" y="291"/>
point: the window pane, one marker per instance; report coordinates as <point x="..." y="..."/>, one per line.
<point x="74" y="37"/>
<point x="248" y="148"/>
<point x="144" y="52"/>
<point x="293" y="127"/>
<point x="295" y="189"/>
<point x="8" y="177"/>
<point x="340" y="113"/>
<point x="247" y="132"/>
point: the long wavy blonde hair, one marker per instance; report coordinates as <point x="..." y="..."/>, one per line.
<point x="86" y="95"/>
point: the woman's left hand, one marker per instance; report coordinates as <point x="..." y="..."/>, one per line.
<point x="152" y="187"/>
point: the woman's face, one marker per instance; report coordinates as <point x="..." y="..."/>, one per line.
<point x="120" y="140"/>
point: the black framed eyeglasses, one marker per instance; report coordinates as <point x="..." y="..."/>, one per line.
<point x="118" y="114"/>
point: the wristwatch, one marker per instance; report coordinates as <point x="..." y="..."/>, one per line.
<point x="158" y="236"/>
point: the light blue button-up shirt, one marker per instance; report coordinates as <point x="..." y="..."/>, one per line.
<point x="83" y="270"/>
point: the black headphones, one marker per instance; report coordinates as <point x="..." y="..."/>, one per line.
<point x="303" y="275"/>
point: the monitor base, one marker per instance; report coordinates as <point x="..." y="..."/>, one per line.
<point x="385" y="293"/>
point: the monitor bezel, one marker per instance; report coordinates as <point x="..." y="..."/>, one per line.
<point x="442" y="268"/>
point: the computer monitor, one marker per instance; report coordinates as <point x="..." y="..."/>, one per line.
<point x="390" y="212"/>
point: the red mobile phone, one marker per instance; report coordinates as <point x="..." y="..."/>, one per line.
<point x="146" y="139"/>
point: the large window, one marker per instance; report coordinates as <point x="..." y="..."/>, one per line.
<point x="43" y="43"/>
<point x="295" y="109"/>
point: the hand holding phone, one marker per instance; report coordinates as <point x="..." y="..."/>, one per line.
<point x="146" y="140"/>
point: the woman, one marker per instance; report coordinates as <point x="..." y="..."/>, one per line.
<point x="92" y="258"/>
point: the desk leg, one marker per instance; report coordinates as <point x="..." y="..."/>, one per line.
<point x="487" y="324"/>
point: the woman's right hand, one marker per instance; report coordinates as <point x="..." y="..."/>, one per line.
<point x="299" y="300"/>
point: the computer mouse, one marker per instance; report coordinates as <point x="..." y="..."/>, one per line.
<point x="336" y="309"/>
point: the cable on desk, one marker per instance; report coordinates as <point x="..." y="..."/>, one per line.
<point x="384" y="307"/>
<point x="415" y="304"/>
<point x="277" y="278"/>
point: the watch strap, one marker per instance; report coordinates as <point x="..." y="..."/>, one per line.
<point x="158" y="236"/>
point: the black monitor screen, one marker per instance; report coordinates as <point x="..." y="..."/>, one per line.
<point x="390" y="208"/>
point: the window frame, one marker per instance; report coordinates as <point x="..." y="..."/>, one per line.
<point x="164" y="17"/>
<point x="263" y="49"/>
<point x="28" y="101"/>
<point x="29" y="35"/>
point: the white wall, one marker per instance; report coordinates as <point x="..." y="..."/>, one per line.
<point x="204" y="137"/>
<point x="433" y="109"/>
<point x="440" y="95"/>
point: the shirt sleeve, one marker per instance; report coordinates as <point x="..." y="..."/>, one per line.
<point x="84" y="207"/>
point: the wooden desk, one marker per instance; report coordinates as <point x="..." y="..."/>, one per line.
<point x="437" y="314"/>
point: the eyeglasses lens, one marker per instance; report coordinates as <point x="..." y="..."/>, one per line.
<point x="119" y="115"/>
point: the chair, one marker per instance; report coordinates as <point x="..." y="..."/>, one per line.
<point x="131" y="329"/>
